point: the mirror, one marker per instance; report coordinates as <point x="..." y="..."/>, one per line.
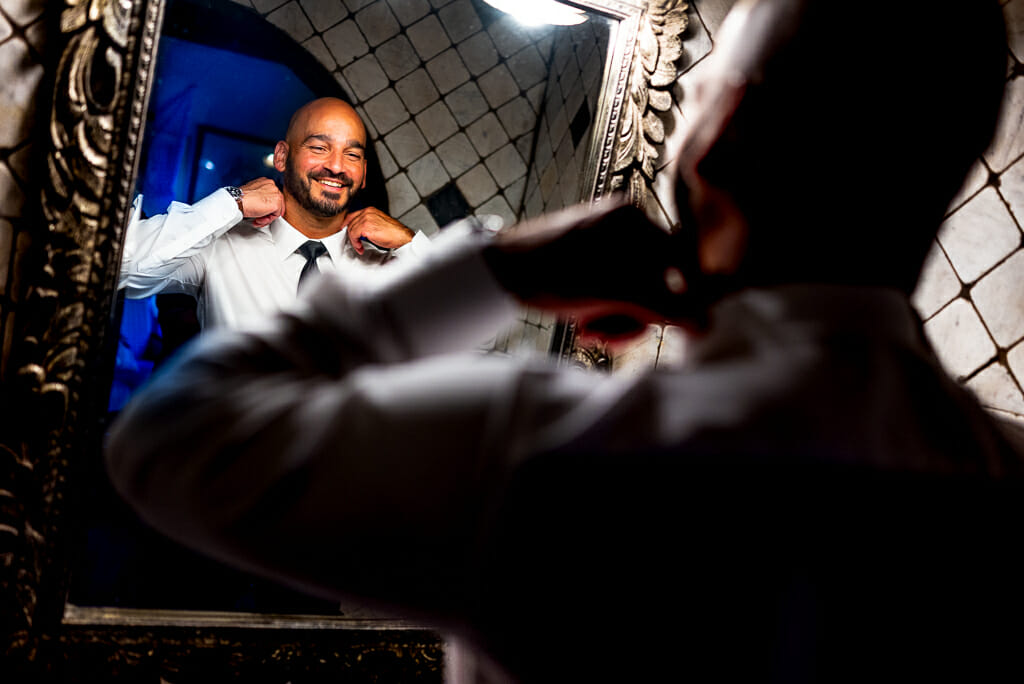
<point x="104" y="84"/>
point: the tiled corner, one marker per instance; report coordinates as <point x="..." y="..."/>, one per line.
<point x="999" y="297"/>
<point x="979" y="235"/>
<point x="477" y="185"/>
<point x="995" y="388"/>
<point x="960" y="340"/>
<point x="377" y="23"/>
<point x="324" y="13"/>
<point x="1008" y="145"/>
<point x="345" y="42"/>
<point x="938" y="284"/>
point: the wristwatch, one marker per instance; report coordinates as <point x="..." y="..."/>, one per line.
<point x="236" y="194"/>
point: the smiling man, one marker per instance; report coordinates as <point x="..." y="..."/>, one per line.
<point x="242" y="251"/>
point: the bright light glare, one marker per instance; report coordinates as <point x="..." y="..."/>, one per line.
<point x="536" y="12"/>
<point x="268" y="161"/>
<point x="209" y="165"/>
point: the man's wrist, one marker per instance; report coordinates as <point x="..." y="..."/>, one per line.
<point x="236" y="194"/>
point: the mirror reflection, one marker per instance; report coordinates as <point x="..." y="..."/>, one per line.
<point x="467" y="112"/>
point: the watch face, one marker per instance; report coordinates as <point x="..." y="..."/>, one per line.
<point x="234" y="192"/>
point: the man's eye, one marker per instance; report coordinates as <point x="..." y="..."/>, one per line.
<point x="318" y="148"/>
<point x="355" y="156"/>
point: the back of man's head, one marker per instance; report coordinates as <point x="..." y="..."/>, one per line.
<point x="855" y="134"/>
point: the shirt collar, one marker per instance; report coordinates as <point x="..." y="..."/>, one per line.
<point x="791" y="313"/>
<point x="287" y="239"/>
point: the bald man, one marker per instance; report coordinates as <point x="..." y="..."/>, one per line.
<point x="811" y="500"/>
<point x="242" y="251"/>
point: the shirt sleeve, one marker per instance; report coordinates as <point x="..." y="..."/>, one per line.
<point x="165" y="253"/>
<point x="353" y="446"/>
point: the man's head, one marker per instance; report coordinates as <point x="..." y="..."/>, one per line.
<point x="825" y="144"/>
<point x="323" y="158"/>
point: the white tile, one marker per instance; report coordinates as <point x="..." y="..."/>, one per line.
<point x="402" y="196"/>
<point x="419" y="219"/>
<point x="457" y="154"/>
<point x="388" y="167"/>
<point x="1015" y="359"/>
<point x="696" y="39"/>
<point x="428" y="37"/>
<point x="535" y="96"/>
<point x="995" y="388"/>
<point x="637" y="356"/>
<point x="506" y="166"/>
<point x="324" y="13"/>
<point x="20" y="76"/>
<point x="674" y="344"/>
<point x="1008" y="144"/>
<point x="476" y="185"/>
<point x="346" y="42"/>
<point x="408" y="11"/>
<point x="406" y="143"/>
<point x="377" y="23"/>
<point x="937" y="286"/>
<point x="713" y="12"/>
<point x="486" y="134"/>
<point x="427" y="174"/>
<point x="397" y="57"/>
<point x="460" y="20"/>
<point x="527" y="67"/>
<point x="466" y="103"/>
<point x="959" y="338"/>
<point x="976" y="179"/>
<point x="1011" y="187"/>
<point x="979" y="235"/>
<point x="417" y="91"/>
<point x="497" y="206"/>
<point x="436" y="123"/>
<point x="1014" y="13"/>
<point x="356" y="5"/>
<point x="498" y="86"/>
<point x="514" y="194"/>
<point x="366" y="77"/>
<point x="478" y="53"/>
<point x="524" y="144"/>
<point x="318" y="48"/>
<point x="266" y="6"/>
<point x="447" y="70"/>
<point x="371" y="131"/>
<point x="23" y="12"/>
<point x="509" y="35"/>
<point x="999" y="297"/>
<point x="386" y="111"/>
<point x="14" y="197"/>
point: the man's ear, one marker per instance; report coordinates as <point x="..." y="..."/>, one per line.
<point x="280" y="155"/>
<point x="363" y="184"/>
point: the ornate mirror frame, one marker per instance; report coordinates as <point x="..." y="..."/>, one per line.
<point x="104" y="58"/>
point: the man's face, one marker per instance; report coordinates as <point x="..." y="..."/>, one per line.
<point x="324" y="162"/>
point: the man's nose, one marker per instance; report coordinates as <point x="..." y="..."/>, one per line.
<point x="335" y="162"/>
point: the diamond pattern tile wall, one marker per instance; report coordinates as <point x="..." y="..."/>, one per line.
<point x="23" y="32"/>
<point x="971" y="292"/>
<point x="445" y="85"/>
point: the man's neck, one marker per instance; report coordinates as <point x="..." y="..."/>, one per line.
<point x="313" y="227"/>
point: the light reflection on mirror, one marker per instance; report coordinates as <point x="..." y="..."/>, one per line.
<point x="470" y="113"/>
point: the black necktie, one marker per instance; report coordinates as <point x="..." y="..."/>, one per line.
<point x="312" y="251"/>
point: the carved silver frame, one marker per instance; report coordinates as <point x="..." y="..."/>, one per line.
<point x="104" y="58"/>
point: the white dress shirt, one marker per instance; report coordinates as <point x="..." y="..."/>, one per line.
<point x="237" y="272"/>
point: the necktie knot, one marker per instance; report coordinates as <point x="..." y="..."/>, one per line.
<point x="311" y="250"/>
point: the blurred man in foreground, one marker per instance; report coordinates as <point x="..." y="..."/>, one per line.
<point x="813" y="499"/>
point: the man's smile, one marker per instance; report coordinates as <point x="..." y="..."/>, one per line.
<point x="334" y="183"/>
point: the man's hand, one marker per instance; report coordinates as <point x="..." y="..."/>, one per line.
<point x="377" y="227"/>
<point x="608" y="266"/>
<point x="261" y="201"/>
